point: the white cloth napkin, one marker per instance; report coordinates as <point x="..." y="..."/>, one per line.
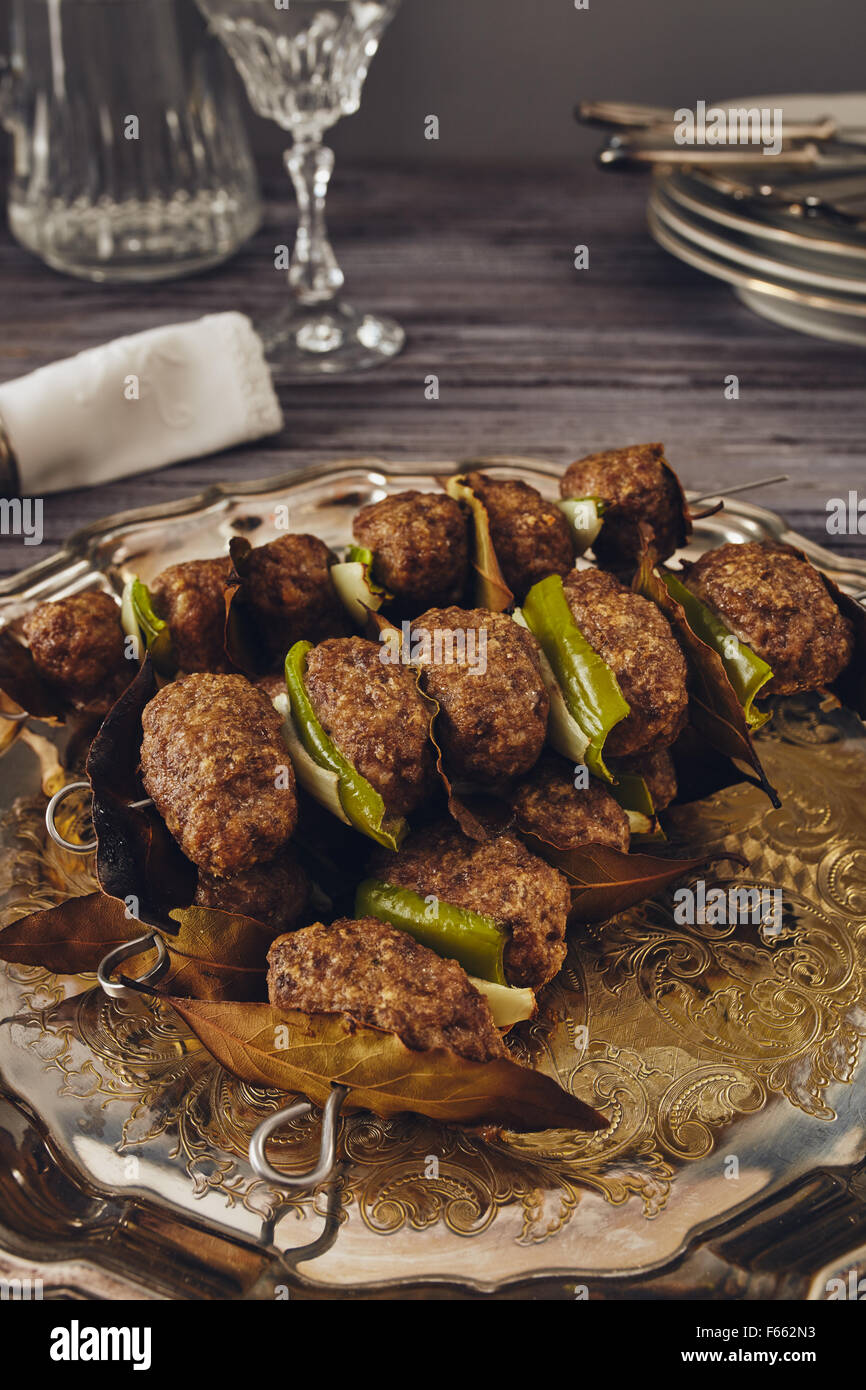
<point x="140" y="403"/>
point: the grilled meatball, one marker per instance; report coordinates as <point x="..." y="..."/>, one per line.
<point x="499" y="877"/>
<point x="548" y="804"/>
<point x="636" y="484"/>
<point x="215" y="765"/>
<point x="276" y="893"/>
<point x="383" y="978"/>
<point x="287" y="585"/>
<point x="190" y="598"/>
<point x="373" y="712"/>
<point x="77" y="645"/>
<point x="272" y="685"/>
<point x="636" y="641"/>
<point x="483" y="671"/>
<point x="776" y="602"/>
<point x="531" y="536"/>
<point x="657" y="770"/>
<point x="420" y="546"/>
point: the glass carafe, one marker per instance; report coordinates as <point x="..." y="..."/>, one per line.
<point x="130" y="156"/>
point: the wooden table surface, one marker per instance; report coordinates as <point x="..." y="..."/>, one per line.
<point x="532" y="356"/>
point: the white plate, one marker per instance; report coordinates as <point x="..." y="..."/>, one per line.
<point x="818" y="322"/>
<point x="772" y="223"/>
<point x="812" y="238"/>
<point x="823" y="315"/>
<point x="730" y="248"/>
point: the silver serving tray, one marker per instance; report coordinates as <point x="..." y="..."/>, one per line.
<point x="730" y="1067"/>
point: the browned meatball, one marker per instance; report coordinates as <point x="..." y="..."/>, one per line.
<point x="657" y="770"/>
<point x="483" y="671"/>
<point x="77" y="644"/>
<point x="272" y="685"/>
<point x="373" y="712"/>
<point x="636" y="641"/>
<point x="549" y="805"/>
<point x="287" y="584"/>
<point x="420" y="546"/>
<point x="383" y="978"/>
<point x="216" y="767"/>
<point x="531" y="536"/>
<point x="636" y="484"/>
<point x="499" y="877"/>
<point x="190" y="597"/>
<point x="276" y="893"/>
<point x="777" y="603"/>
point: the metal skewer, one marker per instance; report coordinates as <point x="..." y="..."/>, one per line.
<point x="51" y="810"/>
<point x="327" y="1148"/>
<point x="14" y="718"/>
<point x="740" y="487"/>
<point x="119" y="988"/>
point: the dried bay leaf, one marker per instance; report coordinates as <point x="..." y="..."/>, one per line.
<point x="72" y="938"/>
<point x="382" y="1074"/>
<point x="605" y="881"/>
<point x="136" y="854"/>
<point x="212" y="954"/>
<point x="22" y="683"/>
<point x="490" y="588"/>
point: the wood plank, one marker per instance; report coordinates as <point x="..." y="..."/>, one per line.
<point x="532" y="356"/>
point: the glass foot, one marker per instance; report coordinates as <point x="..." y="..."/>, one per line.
<point x="328" y="338"/>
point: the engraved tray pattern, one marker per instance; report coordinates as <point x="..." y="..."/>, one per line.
<point x="729" y="1064"/>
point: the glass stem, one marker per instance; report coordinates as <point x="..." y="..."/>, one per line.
<point x="314" y="274"/>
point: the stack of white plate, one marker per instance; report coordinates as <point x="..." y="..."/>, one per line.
<point x="807" y="272"/>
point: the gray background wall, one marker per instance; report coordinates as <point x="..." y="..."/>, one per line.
<point x="503" y="75"/>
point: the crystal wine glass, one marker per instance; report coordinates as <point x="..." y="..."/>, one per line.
<point x="304" y="63"/>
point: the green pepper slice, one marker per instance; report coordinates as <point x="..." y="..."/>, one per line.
<point x="471" y="938"/>
<point x="359" y="555"/>
<point x="634" y="796"/>
<point x="591" y="690"/>
<point x="746" y="671"/>
<point x="361" y="802"/>
<point x="156" y="632"/>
